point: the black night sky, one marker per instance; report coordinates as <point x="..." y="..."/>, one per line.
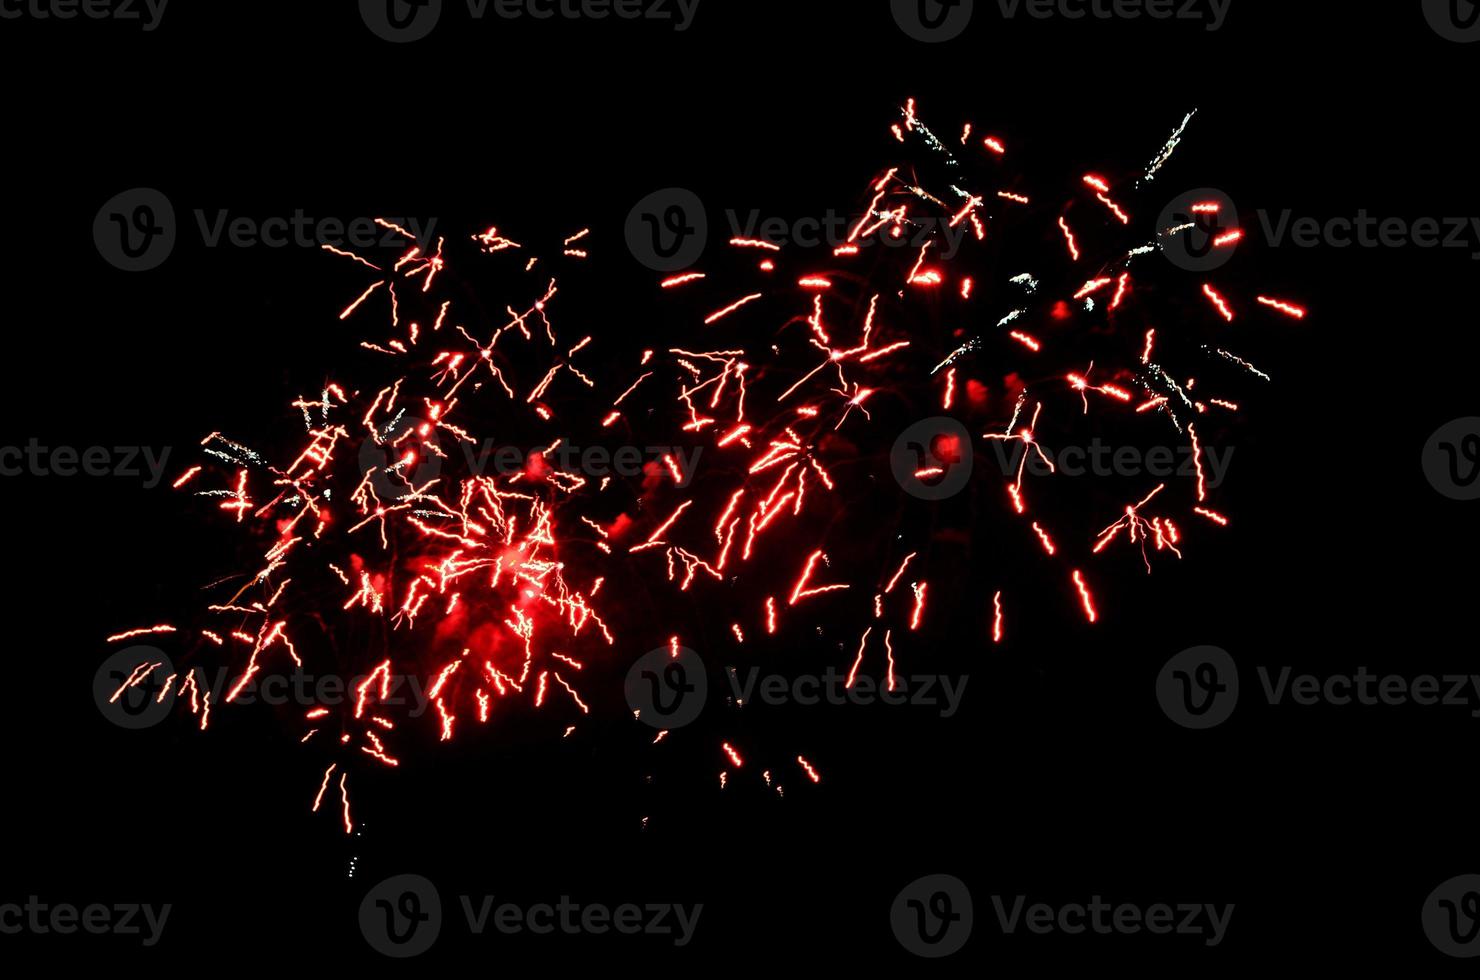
<point x="1059" y="778"/>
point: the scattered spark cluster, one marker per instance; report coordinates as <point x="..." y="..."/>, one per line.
<point x="782" y="376"/>
<point x="1028" y="307"/>
<point x="1033" y="309"/>
<point x="386" y="556"/>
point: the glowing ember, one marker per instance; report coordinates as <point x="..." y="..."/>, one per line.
<point x="382" y="551"/>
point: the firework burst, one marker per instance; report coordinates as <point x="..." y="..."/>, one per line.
<point x="835" y="397"/>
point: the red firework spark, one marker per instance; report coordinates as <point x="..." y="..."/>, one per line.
<point x="495" y="582"/>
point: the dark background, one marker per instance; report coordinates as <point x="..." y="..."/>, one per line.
<point x="1060" y="779"/>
